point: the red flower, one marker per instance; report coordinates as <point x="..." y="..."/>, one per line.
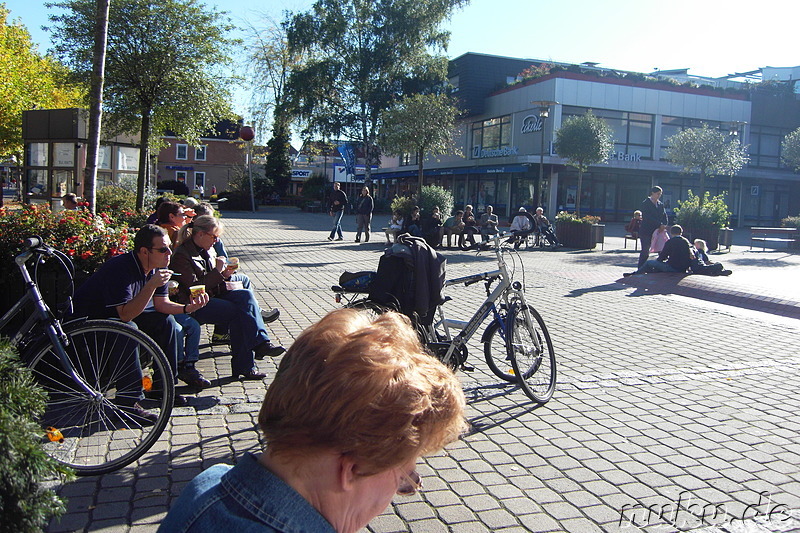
<point x="86" y="255"/>
<point x="70" y="252"/>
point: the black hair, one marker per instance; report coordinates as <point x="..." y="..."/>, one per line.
<point x="144" y="237"/>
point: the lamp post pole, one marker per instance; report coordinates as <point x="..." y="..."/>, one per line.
<point x="544" y="112"/>
<point x="733" y="133"/>
<point x="247" y="134"/>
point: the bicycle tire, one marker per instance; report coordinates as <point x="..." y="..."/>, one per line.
<point x="531" y="352"/>
<point x="370" y="307"/>
<point x="101" y="434"/>
<point x="494" y="349"/>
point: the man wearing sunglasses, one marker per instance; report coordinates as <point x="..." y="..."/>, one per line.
<point x="132" y="287"/>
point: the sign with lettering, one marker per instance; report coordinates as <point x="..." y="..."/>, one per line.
<point x="622" y="156"/>
<point x="304" y="174"/>
<point x="532" y="123"/>
<point x="479" y="153"/>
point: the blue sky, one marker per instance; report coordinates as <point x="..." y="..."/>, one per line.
<point x="709" y="37"/>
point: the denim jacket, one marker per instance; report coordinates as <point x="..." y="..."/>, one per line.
<point x="244" y="498"/>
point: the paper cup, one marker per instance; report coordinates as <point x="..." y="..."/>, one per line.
<point x="197" y="290"/>
<point x="233" y="262"/>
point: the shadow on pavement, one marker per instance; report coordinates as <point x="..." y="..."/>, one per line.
<point x="599" y="288"/>
<point x="485" y="393"/>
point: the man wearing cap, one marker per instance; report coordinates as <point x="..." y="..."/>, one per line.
<point x="521" y="227"/>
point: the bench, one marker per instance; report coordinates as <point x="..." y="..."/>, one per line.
<point x="313" y="207"/>
<point x="629" y="237"/>
<point x="765" y="235"/>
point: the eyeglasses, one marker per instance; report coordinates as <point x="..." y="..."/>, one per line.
<point x="161" y="250"/>
<point x="409" y="484"/>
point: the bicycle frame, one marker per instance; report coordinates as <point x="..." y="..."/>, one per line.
<point x="467" y="329"/>
<point x="42" y="315"/>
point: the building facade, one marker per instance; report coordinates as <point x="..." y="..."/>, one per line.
<point x="508" y="158"/>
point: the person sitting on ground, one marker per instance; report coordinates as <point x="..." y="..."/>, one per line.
<point x="220" y="334"/>
<point x="124" y="288"/>
<point x="237" y="309"/>
<point x="545" y="229"/>
<point x="470" y="226"/>
<point x="70" y="201"/>
<point x="701" y="264"/>
<point x="354" y="404"/>
<point x="676" y="256"/>
<point x="635" y="224"/>
<point x="520" y="228"/>
<point x="488" y="223"/>
<point x="432" y="228"/>
<point x="454" y="225"/>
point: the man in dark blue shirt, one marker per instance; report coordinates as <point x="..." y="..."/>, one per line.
<point x="654" y="215"/>
<point x="132" y="288"/>
<point x="676" y="256"/>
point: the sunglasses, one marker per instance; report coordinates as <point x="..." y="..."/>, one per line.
<point x="163" y="250"/>
<point x="409" y="484"/>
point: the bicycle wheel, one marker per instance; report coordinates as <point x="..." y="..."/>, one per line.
<point x="369" y="307"/>
<point x="494" y="349"/>
<point x="100" y="433"/>
<point x="531" y="352"/>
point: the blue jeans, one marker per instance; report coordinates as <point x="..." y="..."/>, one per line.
<point x="238" y="311"/>
<point x="189" y="342"/>
<point x="656" y="266"/>
<point x="337" y="224"/>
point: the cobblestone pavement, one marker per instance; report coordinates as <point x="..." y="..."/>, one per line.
<point x="675" y="408"/>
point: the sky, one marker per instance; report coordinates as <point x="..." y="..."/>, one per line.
<point x="709" y="37"/>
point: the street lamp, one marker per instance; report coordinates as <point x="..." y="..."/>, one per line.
<point x="733" y="134"/>
<point x="247" y="134"/>
<point x="544" y="112"/>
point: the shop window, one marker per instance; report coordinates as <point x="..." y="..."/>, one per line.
<point x="37" y="155"/>
<point x="63" y="154"/>
<point x="492" y="134"/>
<point x="180" y="175"/>
<point x="199" y="179"/>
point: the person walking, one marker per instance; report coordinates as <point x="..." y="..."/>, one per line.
<point x="336" y="205"/>
<point x="364" y="207"/>
<point x="654" y="216"/>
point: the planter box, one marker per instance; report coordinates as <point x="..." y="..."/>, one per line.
<point x="725" y="238"/>
<point x="579" y="236"/>
<point x="710" y="234"/>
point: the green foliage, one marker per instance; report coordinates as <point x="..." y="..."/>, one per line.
<point x="791" y="222"/>
<point x="790" y="150"/>
<point x="359" y="58"/>
<point x="403" y="205"/>
<point x="707" y="152"/>
<point x="435" y="196"/>
<point x="420" y="124"/>
<point x="314" y="187"/>
<point x="278" y="166"/>
<point x="166" y="66"/>
<point x="583" y="141"/>
<point x="563" y="217"/>
<point x="696" y="214"/>
<point x="88" y="240"/>
<point x="122" y="203"/>
<point x="24" y="505"/>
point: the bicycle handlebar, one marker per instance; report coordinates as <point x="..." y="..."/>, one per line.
<point x="33" y="242"/>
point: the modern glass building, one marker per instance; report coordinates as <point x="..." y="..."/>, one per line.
<point x="506" y="133"/>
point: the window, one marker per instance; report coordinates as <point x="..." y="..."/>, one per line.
<point x="765" y="146"/>
<point x="633" y="132"/>
<point x="200" y="153"/>
<point x="407" y="159"/>
<point x="127" y="158"/>
<point x="199" y="179"/>
<point x="37" y="154"/>
<point x="104" y="157"/>
<point x="672" y="125"/>
<point x="181" y="151"/>
<point x="180" y="175"/>
<point x="63" y="154"/>
<point x="492" y="134"/>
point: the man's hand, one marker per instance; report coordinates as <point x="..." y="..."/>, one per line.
<point x="197" y="303"/>
<point x="160" y="278"/>
<point x="220" y="265"/>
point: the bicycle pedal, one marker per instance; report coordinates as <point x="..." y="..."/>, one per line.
<point x="466" y="368"/>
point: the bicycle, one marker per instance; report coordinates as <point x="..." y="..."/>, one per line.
<point x="94" y="373"/>
<point x="516" y="335"/>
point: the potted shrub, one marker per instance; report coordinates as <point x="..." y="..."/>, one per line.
<point x="582" y="233"/>
<point x="792" y="222"/>
<point x="703" y="221"/>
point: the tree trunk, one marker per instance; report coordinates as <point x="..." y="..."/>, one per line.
<point x="420" y="173"/>
<point x="578" y="192"/>
<point x="96" y="105"/>
<point x="143" y="159"/>
<point x="702" y="186"/>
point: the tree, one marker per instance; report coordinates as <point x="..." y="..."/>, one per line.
<point x="30" y="81"/>
<point x="278" y="166"/>
<point x="165" y="68"/>
<point x="362" y="56"/>
<point x="96" y="101"/>
<point x="706" y="151"/>
<point x="584" y="141"/>
<point x="790" y="150"/>
<point x="421" y="124"/>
